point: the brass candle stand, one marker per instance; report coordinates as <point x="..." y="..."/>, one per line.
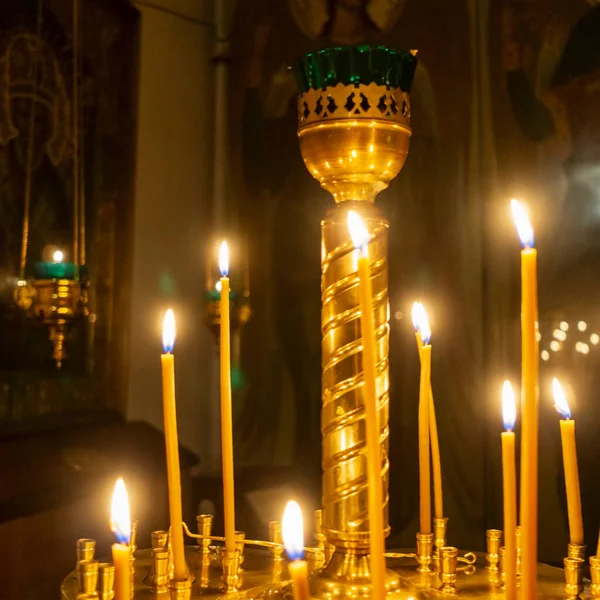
<point x="354" y="130"/>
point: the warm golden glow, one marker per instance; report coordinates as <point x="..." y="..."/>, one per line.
<point x="560" y="335"/>
<point x="564" y="326"/>
<point x="421" y="321"/>
<point x="560" y="399"/>
<point x="224" y="259"/>
<point x="554" y="346"/>
<point x="120" y="521"/>
<point x="358" y="231"/>
<point x="58" y="256"/>
<point x="292" y="529"/>
<point x="169" y="331"/>
<point x="582" y="325"/>
<point x="509" y="407"/>
<point x="522" y="223"/>
<point x="594" y="338"/>
<point x="545" y="355"/>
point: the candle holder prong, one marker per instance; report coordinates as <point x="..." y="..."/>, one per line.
<point x="448" y="560"/>
<point x="573" y="577"/>
<point x="275" y="536"/>
<point x="204" y="523"/>
<point x="493" y="538"/>
<point x="595" y="576"/>
<point x="180" y="590"/>
<point x="87" y="576"/>
<point x="424" y="552"/>
<point x="576" y="551"/>
<point x="86" y="547"/>
<point x="106" y="581"/>
<point x="231" y="568"/>
<point x="159" y="579"/>
<point x="440" y="528"/>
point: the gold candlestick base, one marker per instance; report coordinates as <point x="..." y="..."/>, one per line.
<point x="595" y="575"/>
<point x="86" y="547"/>
<point x="87" y="576"/>
<point x="424" y="552"/>
<point x="231" y="568"/>
<point x="180" y="590"/>
<point x="204" y="529"/>
<point x="573" y="577"/>
<point x="576" y="551"/>
<point x="448" y="560"/>
<point x="493" y="538"/>
<point x="440" y="527"/>
<point x="106" y="581"/>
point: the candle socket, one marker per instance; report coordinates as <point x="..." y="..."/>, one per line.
<point x="231" y="567"/>
<point x="160" y="539"/>
<point x="160" y="563"/>
<point x="276" y="537"/>
<point x="204" y="523"/>
<point x="595" y="575"/>
<point x="576" y="551"/>
<point x="448" y="560"/>
<point x="440" y="526"/>
<point x="86" y="547"/>
<point x="87" y="576"/>
<point x="573" y="577"/>
<point x="501" y="564"/>
<point x="133" y="538"/>
<point x="106" y="581"/>
<point x="424" y="552"/>
<point x="492" y="538"/>
<point x="240" y="538"/>
<point x="180" y="590"/>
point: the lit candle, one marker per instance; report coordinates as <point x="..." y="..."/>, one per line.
<point x="360" y="239"/>
<point x="422" y="324"/>
<point x="433" y="432"/>
<point x="226" y="419"/>
<point x="180" y="572"/>
<point x="120" y="524"/>
<point x="57" y="257"/>
<point x="529" y="400"/>
<point x="292" y="529"/>
<point x="567" y="435"/>
<point x="509" y="479"/>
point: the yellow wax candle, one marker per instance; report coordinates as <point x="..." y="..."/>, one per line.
<point x="433" y="431"/>
<point x="292" y="529"/>
<point x="360" y="239"/>
<point x="226" y="418"/>
<point x="598" y="545"/>
<point x="530" y="416"/>
<point x="180" y="572"/>
<point x="509" y="479"/>
<point x="120" y="522"/>
<point x="567" y="434"/>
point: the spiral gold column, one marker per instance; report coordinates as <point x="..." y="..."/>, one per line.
<point x="354" y="129"/>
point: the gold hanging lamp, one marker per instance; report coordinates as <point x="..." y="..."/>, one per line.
<point x="56" y="295"/>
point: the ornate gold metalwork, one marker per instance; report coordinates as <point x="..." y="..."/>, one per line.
<point x="106" y="581"/>
<point x="595" y="575"/>
<point x="573" y="577"/>
<point x="493" y="538"/>
<point x="424" y="552"/>
<point x="448" y="559"/>
<point x="440" y="527"/>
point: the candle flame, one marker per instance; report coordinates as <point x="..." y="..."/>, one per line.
<point x="522" y="223"/>
<point x="358" y="231"/>
<point x="509" y="407"/>
<point x="58" y="256"/>
<point x="224" y="259"/>
<point x="292" y="530"/>
<point x="421" y="321"/>
<point x="560" y="399"/>
<point x="169" y="331"/>
<point x="120" y="521"/>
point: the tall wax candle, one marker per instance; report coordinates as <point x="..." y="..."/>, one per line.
<point x="422" y="323"/>
<point x="530" y="410"/>
<point x="567" y="435"/>
<point x="180" y="572"/>
<point x="120" y="522"/>
<point x="226" y="417"/>
<point x="433" y="431"/>
<point x="360" y="239"/>
<point x="292" y="528"/>
<point x="509" y="480"/>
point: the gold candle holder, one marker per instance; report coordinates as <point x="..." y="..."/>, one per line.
<point x="492" y="538"/>
<point x="160" y="563"/>
<point x="518" y="544"/>
<point x="240" y="538"/>
<point x="424" y="552"/>
<point x="106" y="581"/>
<point x="595" y="575"/>
<point x="573" y="577"/>
<point x="86" y="547"/>
<point x="160" y="539"/>
<point x="276" y="537"/>
<point x="180" y="590"/>
<point x="132" y="572"/>
<point x="502" y="564"/>
<point x="576" y="551"/>
<point x="87" y="576"/>
<point x="204" y="523"/>
<point x="440" y="526"/>
<point x="231" y="568"/>
<point x="448" y="560"/>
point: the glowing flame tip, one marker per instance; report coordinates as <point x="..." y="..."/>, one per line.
<point x="358" y="231"/>
<point x="169" y="331"/>
<point x="120" y="521"/>
<point x="522" y="223"/>
<point x="421" y="321"/>
<point x="560" y="399"/>
<point x="509" y="407"/>
<point x="293" y="530"/>
<point x="58" y="256"/>
<point x="224" y="259"/>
